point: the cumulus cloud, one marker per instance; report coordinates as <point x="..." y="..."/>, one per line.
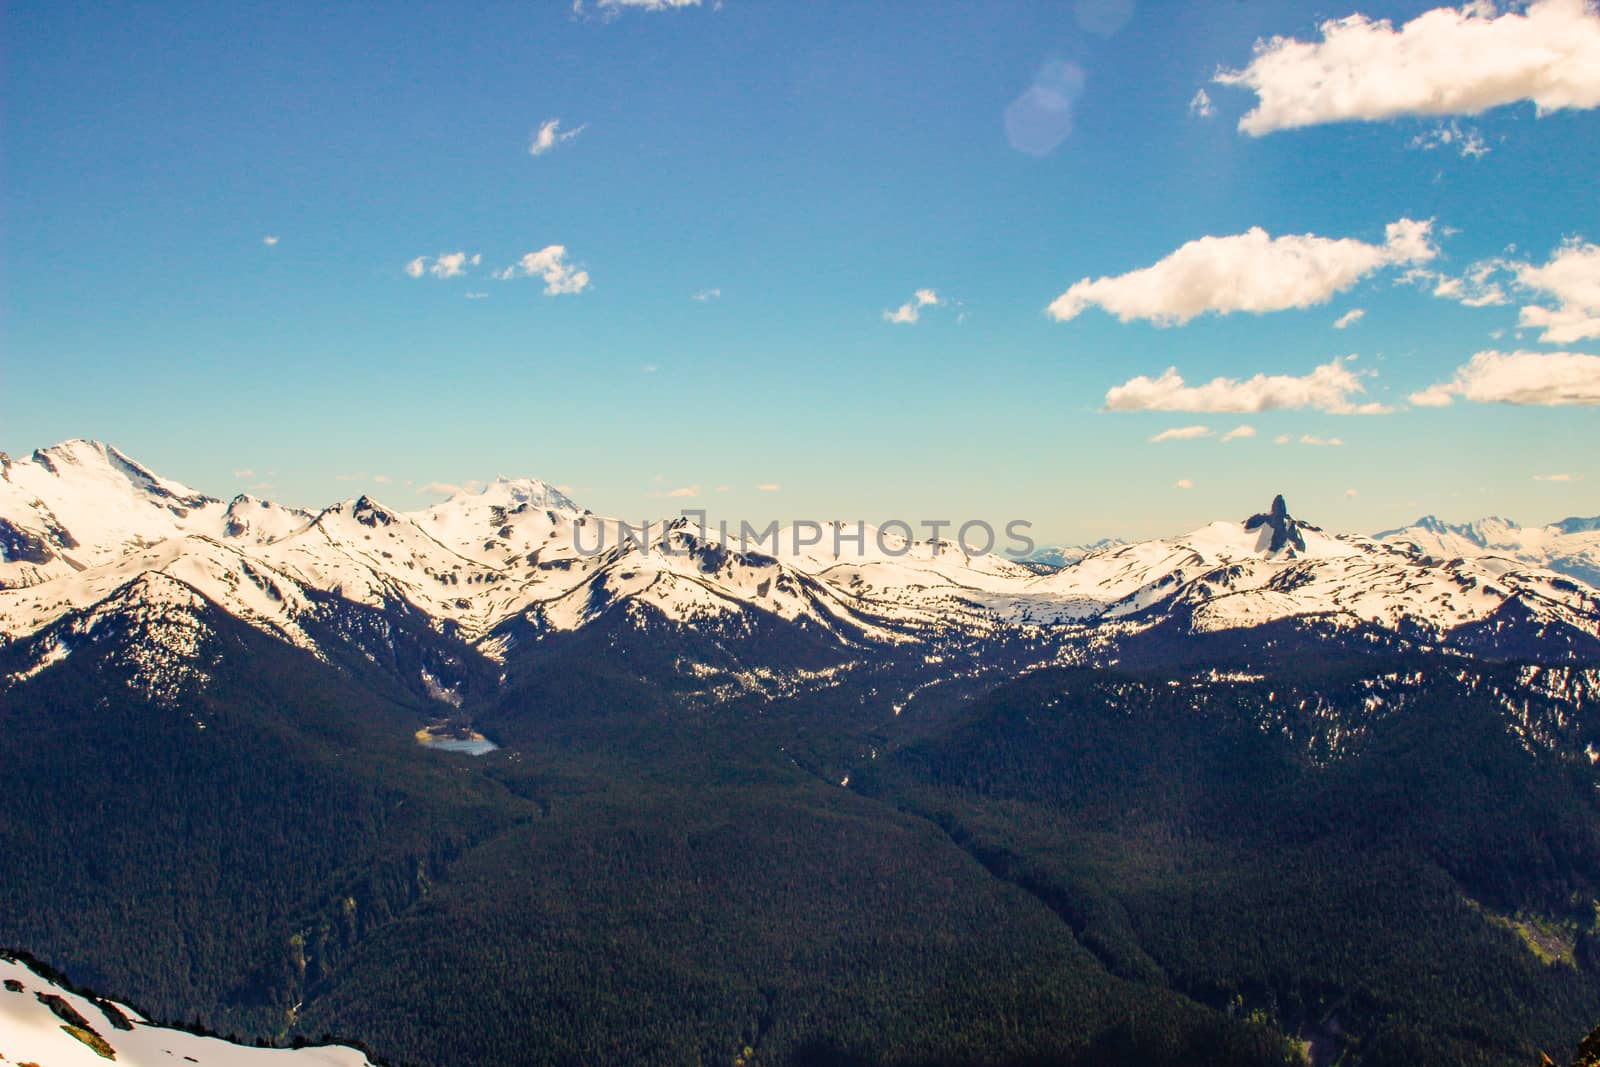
<point x="1469" y="142"/>
<point x="444" y="265"/>
<point x="1238" y="433"/>
<point x="550" y="136"/>
<point x="1184" y="483"/>
<point x="1349" y="318"/>
<point x="1572" y="279"/>
<point x="1542" y="378"/>
<point x="549" y="263"/>
<point x="911" y="310"/>
<point x="270" y="239"/>
<point x="1567" y="286"/>
<point x="1200" y="105"/>
<point x="1249" y="271"/>
<point x="1332" y="387"/>
<point x="1447" y="61"/>
<point x="1181" y="433"/>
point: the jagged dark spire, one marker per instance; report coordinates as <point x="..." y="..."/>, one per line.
<point x="1285" y="531"/>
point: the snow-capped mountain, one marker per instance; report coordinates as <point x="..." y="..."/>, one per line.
<point x="1571" y="546"/>
<point x="43" y="1022"/>
<point x="82" y="525"/>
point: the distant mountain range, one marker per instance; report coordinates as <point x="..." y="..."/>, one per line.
<point x="1571" y="546"/>
<point x="85" y="531"/>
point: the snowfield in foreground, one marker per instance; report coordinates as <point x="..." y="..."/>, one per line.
<point x="46" y="1024"/>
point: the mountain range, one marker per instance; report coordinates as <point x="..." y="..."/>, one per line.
<point x="84" y="527"/>
<point x="461" y="785"/>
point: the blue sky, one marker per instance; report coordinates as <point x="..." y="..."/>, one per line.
<point x="812" y="166"/>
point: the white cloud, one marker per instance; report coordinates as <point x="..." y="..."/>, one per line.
<point x="1331" y="387"/>
<point x="1181" y="433"/>
<point x="1543" y="378"/>
<point x="649" y="368"/>
<point x="1238" y="433"/>
<point x="706" y="295"/>
<point x="1200" y="105"/>
<point x="1249" y="271"/>
<point x="382" y="479"/>
<point x="1572" y="279"/>
<point x="244" y="472"/>
<point x="768" y="487"/>
<point x="612" y="7"/>
<point x="685" y="492"/>
<point x="1184" y="483"/>
<point x="1476" y="288"/>
<point x="1558" y="477"/>
<point x="1349" y="318"/>
<point x="444" y="265"/>
<point x="1313" y="439"/>
<point x="1469" y="142"/>
<point x="551" y="135"/>
<point x="1281" y="439"/>
<point x="911" y="310"/>
<point x="549" y="263"/>
<point x="449" y="488"/>
<point x="1447" y="61"/>
<point x="270" y="239"/>
<point x="477" y="296"/>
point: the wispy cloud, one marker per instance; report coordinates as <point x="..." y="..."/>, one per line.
<point x="707" y="295"/>
<point x="1448" y="61"/>
<point x="1469" y="142"/>
<point x="1200" y="105"/>
<point x="449" y="488"/>
<point x="1250" y="271"/>
<point x="549" y="263"/>
<point x="1567" y="286"/>
<point x="444" y="265"/>
<point x="1181" y="433"/>
<point x="1332" y="387"/>
<point x="1523" y="378"/>
<point x="1323" y="442"/>
<point x="1558" y="477"/>
<point x="244" y="472"/>
<point x="768" y="487"/>
<point x="551" y="135"/>
<point x="683" y="492"/>
<point x="270" y="239"/>
<point x="911" y="310"/>
<point x="1351" y="494"/>
<point x="477" y="296"/>
<point x="1238" y="433"/>
<point x="1349" y="319"/>
<point x="611" y="8"/>
<point x="1183" y="483"/>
